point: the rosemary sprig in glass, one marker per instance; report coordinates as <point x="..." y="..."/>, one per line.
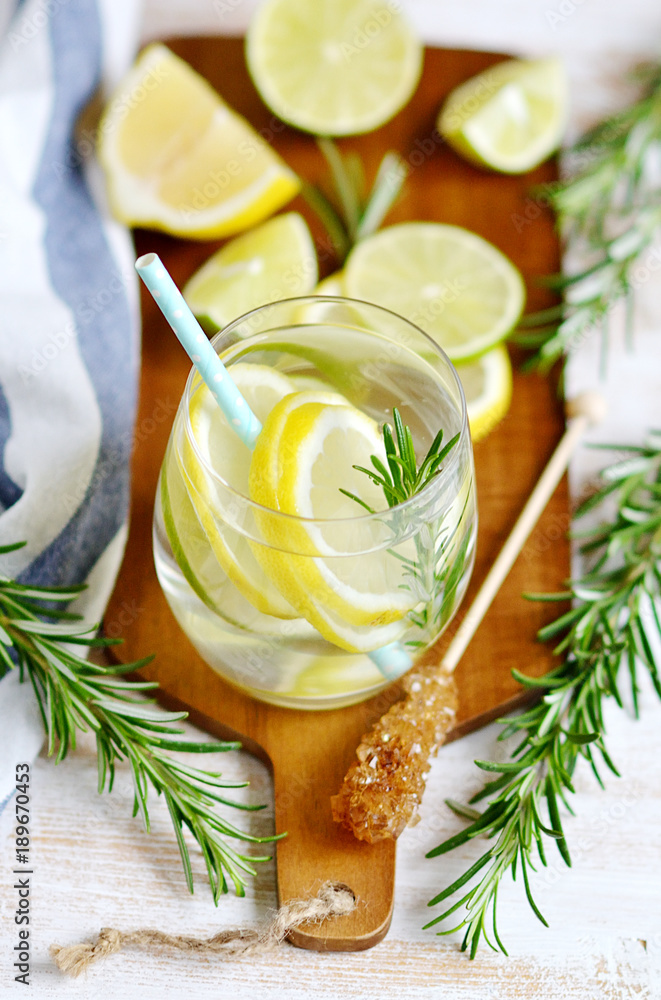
<point x="75" y="695"/>
<point x="428" y="576"/>
<point x="609" y="210"/>
<point x="607" y="633"/>
<point x="351" y="213"/>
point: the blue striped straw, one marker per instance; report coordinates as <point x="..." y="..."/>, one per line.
<point x="196" y="344"/>
<point x="392" y="660"/>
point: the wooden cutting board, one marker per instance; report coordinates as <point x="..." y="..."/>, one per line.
<point x="309" y="753"/>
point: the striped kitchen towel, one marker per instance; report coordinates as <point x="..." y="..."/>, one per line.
<point x="69" y="332"/>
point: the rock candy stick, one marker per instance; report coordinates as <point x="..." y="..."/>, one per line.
<point x="383" y="788"/>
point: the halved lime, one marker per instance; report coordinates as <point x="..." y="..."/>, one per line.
<point x="333" y="67"/>
<point x="454" y="285"/>
<point x="510" y="117"/>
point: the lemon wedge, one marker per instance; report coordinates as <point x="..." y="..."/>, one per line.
<point x="307" y="447"/>
<point x="487" y="385"/>
<point x="274" y="261"/>
<point x="177" y="158"/>
<point x="333" y="67"/>
<point x="510" y="117"/>
<point x="454" y="285"/>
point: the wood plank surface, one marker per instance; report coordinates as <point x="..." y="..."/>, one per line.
<point x="309" y="752"/>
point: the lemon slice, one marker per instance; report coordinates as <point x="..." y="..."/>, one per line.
<point x="453" y="284"/>
<point x="178" y="158"/>
<point x="510" y="117"/>
<point x="487" y="385"/>
<point x="196" y="560"/>
<point x="220" y="447"/>
<point x="333" y="67"/>
<point x="275" y="261"/>
<point x="305" y="450"/>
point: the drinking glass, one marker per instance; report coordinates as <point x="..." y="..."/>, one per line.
<point x="277" y="604"/>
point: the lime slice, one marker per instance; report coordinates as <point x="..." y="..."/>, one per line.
<point x="332" y="285"/>
<point x="327" y="676"/>
<point x="510" y="117"/>
<point x="177" y="158"/>
<point x="218" y="446"/>
<point x="454" y="285"/>
<point x="275" y="261"/>
<point x="333" y="67"/>
<point x="487" y="385"/>
<point x="305" y="450"/>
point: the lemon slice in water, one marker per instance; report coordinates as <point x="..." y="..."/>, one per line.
<point x="218" y="447"/>
<point x="306" y="450"/>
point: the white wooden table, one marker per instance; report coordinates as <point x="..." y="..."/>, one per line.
<point x="94" y="866"/>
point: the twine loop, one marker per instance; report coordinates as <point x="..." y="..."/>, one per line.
<point x="332" y="900"/>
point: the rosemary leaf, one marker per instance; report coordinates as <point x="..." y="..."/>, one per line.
<point x="610" y="210"/>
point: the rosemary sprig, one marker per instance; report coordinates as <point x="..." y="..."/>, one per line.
<point x="610" y="210"/>
<point x="402" y="478"/>
<point x="351" y="213"/>
<point x="76" y="695"/>
<point x="606" y="633"/>
<point x="431" y="577"/>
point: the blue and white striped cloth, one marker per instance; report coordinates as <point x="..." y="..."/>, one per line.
<point x="69" y="330"/>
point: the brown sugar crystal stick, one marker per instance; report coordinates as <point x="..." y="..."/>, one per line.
<point x="383" y="788"/>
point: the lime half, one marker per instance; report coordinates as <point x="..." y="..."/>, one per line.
<point x="333" y="67"/>
<point x="454" y="285"/>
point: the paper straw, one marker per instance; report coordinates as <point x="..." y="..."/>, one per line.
<point x="196" y="344"/>
<point x="392" y="660"/>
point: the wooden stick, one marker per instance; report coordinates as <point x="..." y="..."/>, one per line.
<point x="589" y="408"/>
<point x="383" y="788"/>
